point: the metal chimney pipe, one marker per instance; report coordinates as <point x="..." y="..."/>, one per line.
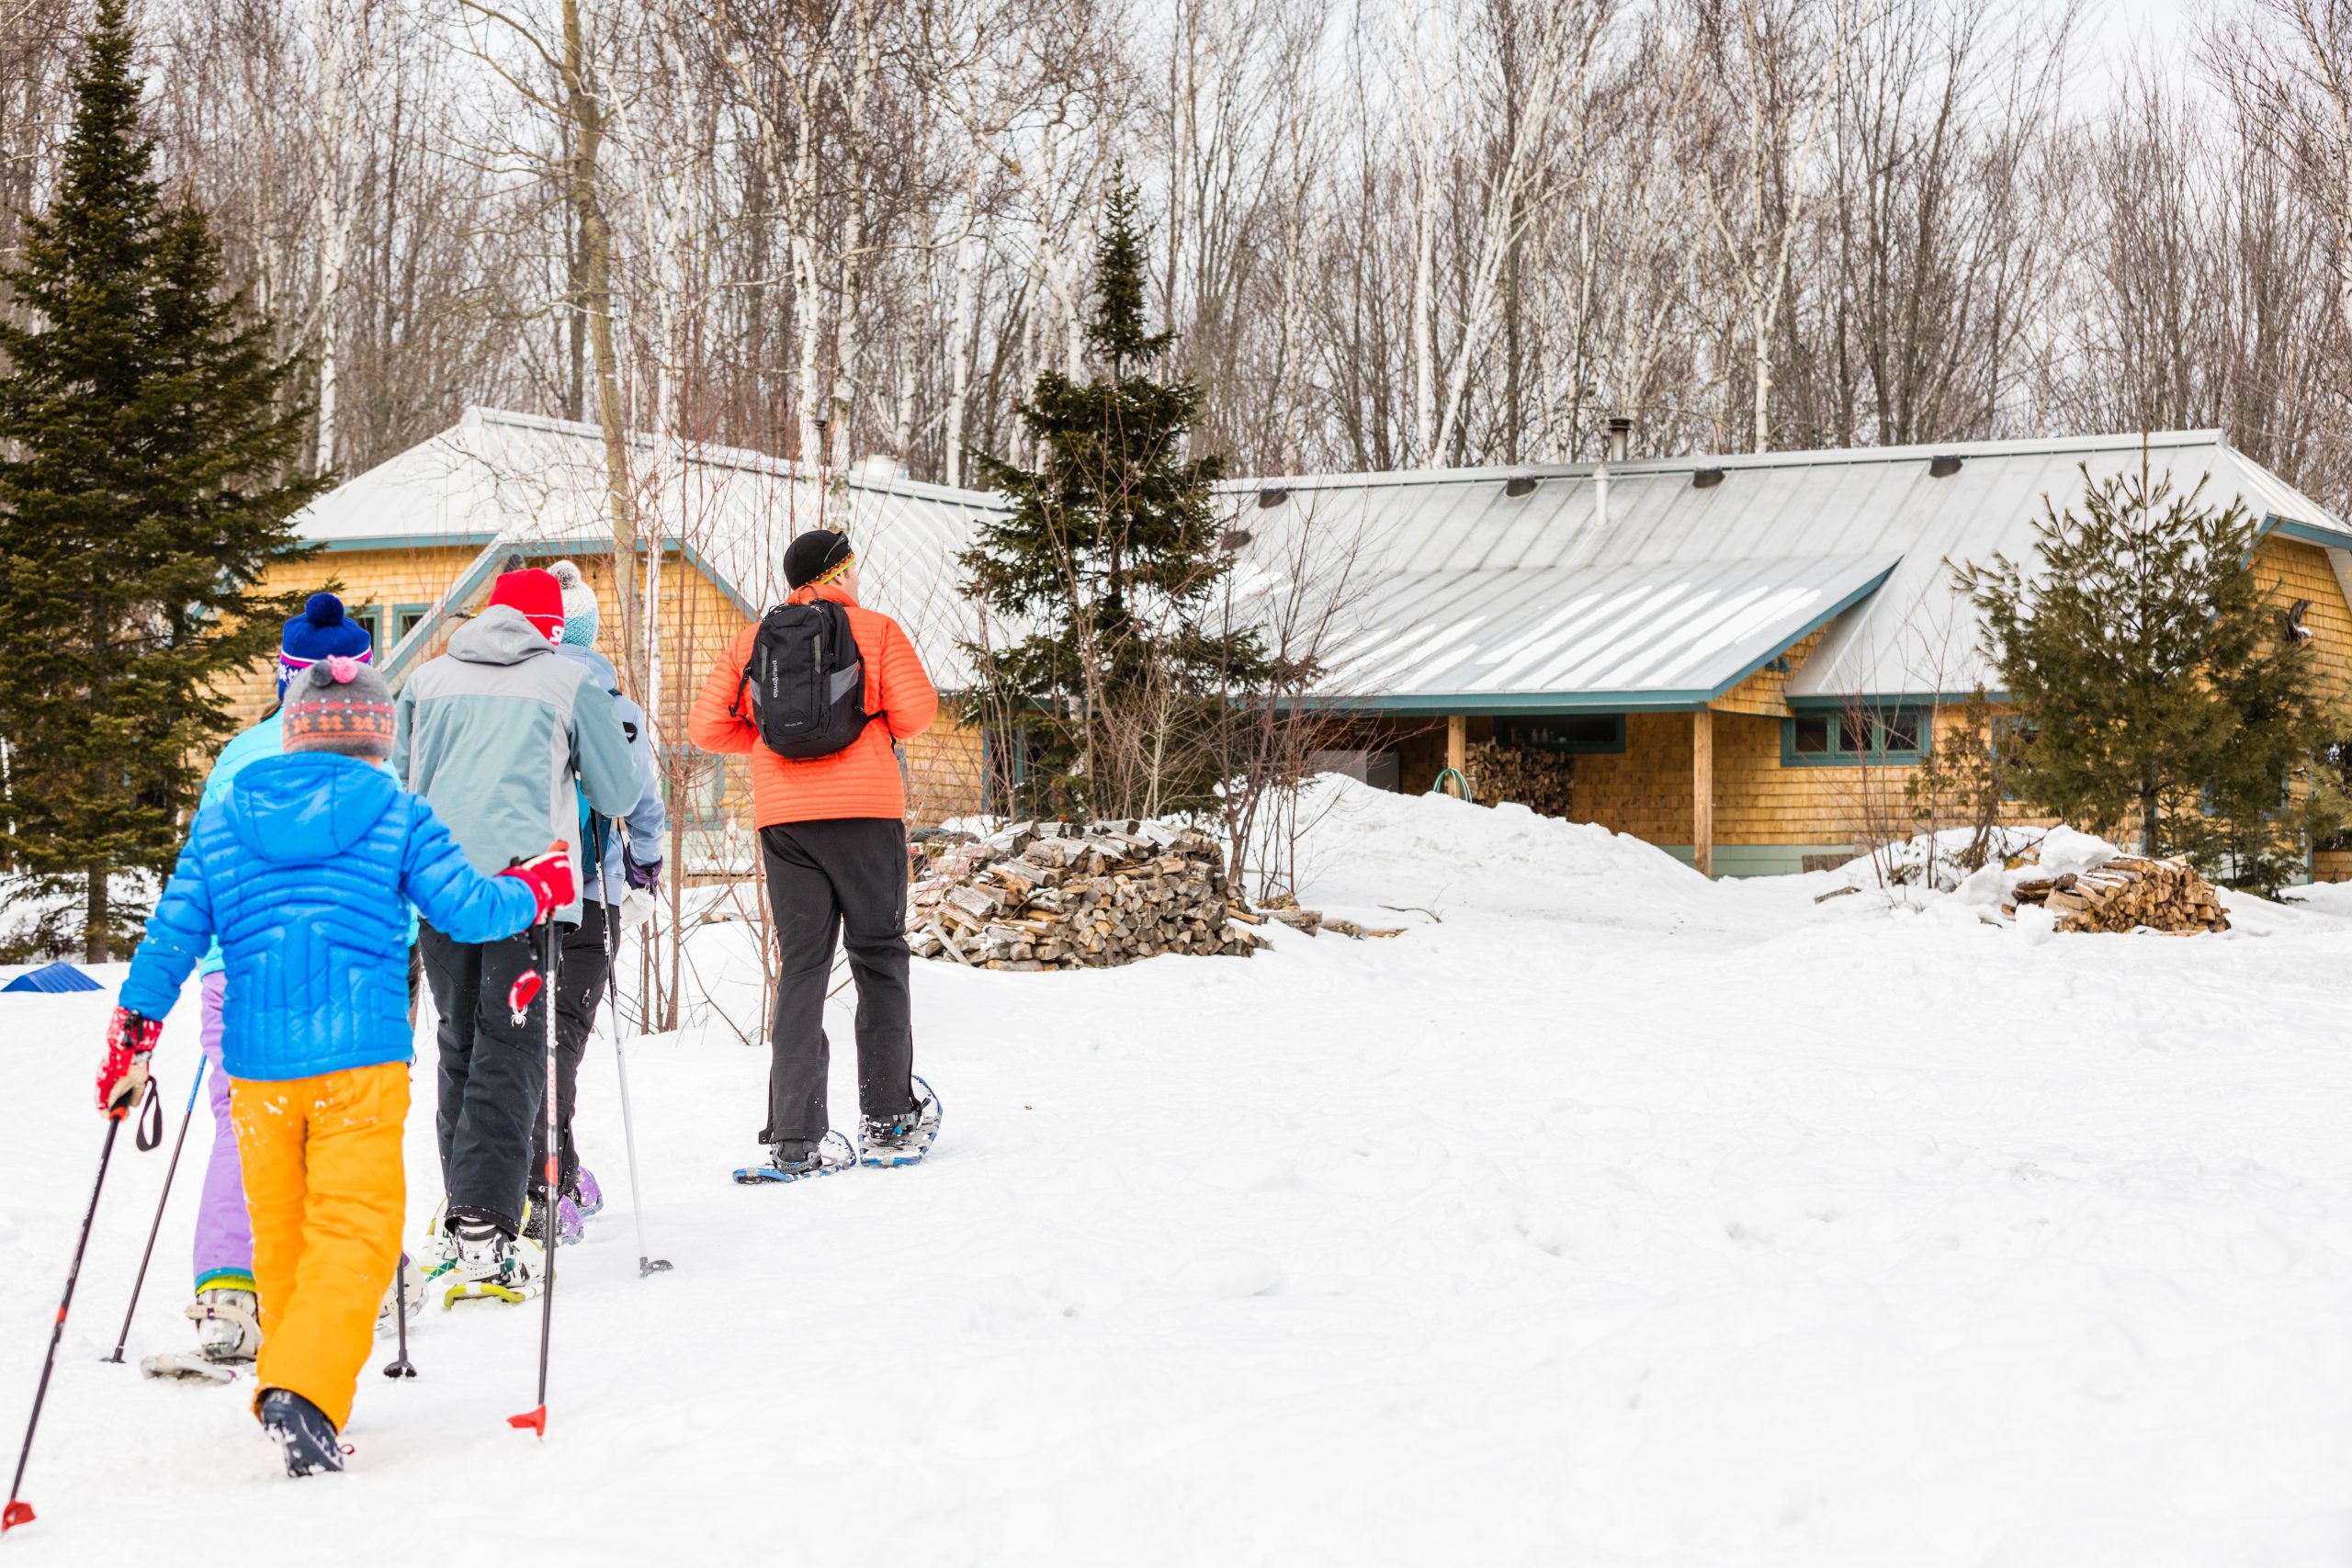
<point x="1617" y="438"/>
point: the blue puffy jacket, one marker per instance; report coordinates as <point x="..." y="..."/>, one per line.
<point x="301" y="868"/>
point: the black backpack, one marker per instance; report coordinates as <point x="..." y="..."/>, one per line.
<point x="807" y="682"/>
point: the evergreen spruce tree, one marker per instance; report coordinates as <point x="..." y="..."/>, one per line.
<point x="149" y="433"/>
<point x="2157" y="683"/>
<point x="1110" y="559"/>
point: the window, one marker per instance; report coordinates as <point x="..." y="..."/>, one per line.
<point x="698" y="787"/>
<point x="1575" y="734"/>
<point x="368" y="618"/>
<point x="1842" y="737"/>
<point x="404" y="619"/>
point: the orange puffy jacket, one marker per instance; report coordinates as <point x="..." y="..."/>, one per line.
<point x="861" y="780"/>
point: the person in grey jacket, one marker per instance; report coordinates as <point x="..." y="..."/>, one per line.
<point x="623" y="856"/>
<point x="493" y="734"/>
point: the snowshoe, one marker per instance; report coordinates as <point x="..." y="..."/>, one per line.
<point x="587" y="1194"/>
<point x="569" y="1226"/>
<point x="408" y="1281"/>
<point x="903" y="1139"/>
<point x="493" y="1266"/>
<point x="801" y="1161"/>
<point x="301" y="1432"/>
<point x="186" y="1369"/>
<point x="228" y="1325"/>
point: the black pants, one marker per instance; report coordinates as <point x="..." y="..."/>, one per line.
<point x="581" y="975"/>
<point x="846" y="875"/>
<point x="494" y="1072"/>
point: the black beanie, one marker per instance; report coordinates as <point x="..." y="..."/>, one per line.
<point x="812" y="554"/>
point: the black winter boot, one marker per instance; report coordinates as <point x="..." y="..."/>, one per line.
<point x="794" y="1157"/>
<point x="302" y="1429"/>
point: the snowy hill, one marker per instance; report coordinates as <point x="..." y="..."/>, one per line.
<point x="1615" y="1217"/>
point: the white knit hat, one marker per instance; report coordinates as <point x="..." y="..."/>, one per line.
<point x="581" y="613"/>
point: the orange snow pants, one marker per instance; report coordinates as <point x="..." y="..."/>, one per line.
<point x="328" y="1194"/>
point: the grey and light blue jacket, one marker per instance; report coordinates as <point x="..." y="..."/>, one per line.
<point x="647" y="821"/>
<point x="491" y="734"/>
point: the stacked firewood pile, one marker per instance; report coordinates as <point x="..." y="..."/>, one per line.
<point x="2127" y="894"/>
<point x="1540" y="781"/>
<point x="1067" y="896"/>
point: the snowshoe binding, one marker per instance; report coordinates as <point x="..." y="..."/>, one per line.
<point x="587" y="1194"/>
<point x="301" y="1432"/>
<point x="800" y="1160"/>
<point x="903" y="1139"/>
<point x="228" y="1332"/>
<point x="438" y="1256"/>
<point x="493" y="1266"/>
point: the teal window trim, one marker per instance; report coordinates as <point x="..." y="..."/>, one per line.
<point x="1604" y="734"/>
<point x="370" y="617"/>
<point x="402" y="619"/>
<point x="1841" y="749"/>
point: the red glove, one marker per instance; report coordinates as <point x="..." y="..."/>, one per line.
<point x="122" y="1077"/>
<point x="549" y="878"/>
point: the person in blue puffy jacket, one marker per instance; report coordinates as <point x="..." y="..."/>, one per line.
<point x="301" y="867"/>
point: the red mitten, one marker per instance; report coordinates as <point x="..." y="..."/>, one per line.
<point x="122" y="1077"/>
<point x="549" y="878"/>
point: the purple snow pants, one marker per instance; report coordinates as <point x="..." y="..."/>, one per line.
<point x="224" y="1235"/>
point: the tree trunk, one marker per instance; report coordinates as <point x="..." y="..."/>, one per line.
<point x="97" y="947"/>
<point x="595" y="303"/>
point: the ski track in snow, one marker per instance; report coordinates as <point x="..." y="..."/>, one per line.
<point x="1617" y="1219"/>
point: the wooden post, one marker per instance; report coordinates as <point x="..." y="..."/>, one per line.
<point x="1703" y="791"/>
<point x="1457" y="743"/>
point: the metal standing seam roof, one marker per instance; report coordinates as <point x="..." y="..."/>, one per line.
<point x="1438" y="591"/>
<point x="1441" y="585"/>
<point x="497" y="481"/>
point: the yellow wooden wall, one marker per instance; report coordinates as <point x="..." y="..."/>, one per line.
<point x="361" y="578"/>
<point x="2290" y="569"/>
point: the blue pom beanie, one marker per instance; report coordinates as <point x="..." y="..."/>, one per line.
<point x="318" y="632"/>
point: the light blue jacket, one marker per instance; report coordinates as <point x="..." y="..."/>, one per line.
<point x="264" y="739"/>
<point x="301" y="867"/>
<point x="647" y="820"/>
<point x="493" y="733"/>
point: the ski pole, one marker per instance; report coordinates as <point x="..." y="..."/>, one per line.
<point x="400" y="1367"/>
<point x="170" y="1170"/>
<point x="646" y="1263"/>
<point x="18" y="1511"/>
<point x="536" y="1418"/>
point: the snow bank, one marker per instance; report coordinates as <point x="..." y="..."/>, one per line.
<point x="1369" y="848"/>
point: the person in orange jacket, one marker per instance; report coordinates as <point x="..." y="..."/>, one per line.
<point x="833" y="845"/>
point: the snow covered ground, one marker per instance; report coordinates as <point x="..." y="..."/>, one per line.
<point x="1611" y="1217"/>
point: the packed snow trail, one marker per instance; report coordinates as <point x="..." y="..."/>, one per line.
<point x="1613" y="1218"/>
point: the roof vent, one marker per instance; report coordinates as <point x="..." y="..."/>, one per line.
<point x="1706" y="478"/>
<point x="1943" y="468"/>
<point x="1519" y="485"/>
<point x="1271" y="497"/>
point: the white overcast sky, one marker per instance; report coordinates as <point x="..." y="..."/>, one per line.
<point x="2117" y="31"/>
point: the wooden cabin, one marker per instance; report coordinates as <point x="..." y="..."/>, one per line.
<point x="1741" y="659"/>
<point x="414" y="545"/>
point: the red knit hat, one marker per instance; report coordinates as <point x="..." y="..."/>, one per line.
<point x="537" y="594"/>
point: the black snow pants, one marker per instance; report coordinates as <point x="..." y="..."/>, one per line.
<point x="494" y="1072"/>
<point x="841" y="878"/>
<point x="580" y="974"/>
